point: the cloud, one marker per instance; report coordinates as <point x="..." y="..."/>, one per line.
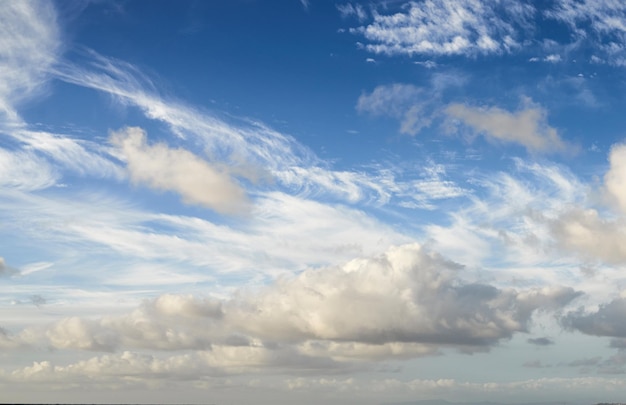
<point x="527" y="127"/>
<point x="542" y="341"/>
<point x="350" y="10"/>
<point x="615" y="178"/>
<point x="445" y="27"/>
<point x="406" y="302"/>
<point x="6" y="270"/>
<point x="405" y="102"/>
<point x="24" y="170"/>
<point x="179" y="170"/>
<point x="56" y="154"/>
<point x="29" y="46"/>
<point x="253" y="148"/>
<point x="405" y="295"/>
<point x="598" y="22"/>
<point x="589" y="235"/>
<point x="607" y="320"/>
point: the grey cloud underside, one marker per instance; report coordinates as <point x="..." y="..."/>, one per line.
<point x="542" y="341"/>
<point x="607" y="320"/>
<point x="407" y="302"/>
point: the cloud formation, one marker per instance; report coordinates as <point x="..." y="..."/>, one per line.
<point x="6" y="270"/>
<point x="402" y="101"/>
<point x="29" y="46"/>
<point x="527" y="127"/>
<point x="406" y="302"/>
<point x="179" y="170"/>
<point x="470" y="28"/>
<point x="615" y="178"/>
<point x="607" y="320"/>
<point x="446" y="27"/>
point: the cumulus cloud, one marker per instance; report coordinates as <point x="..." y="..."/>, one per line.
<point x="445" y="27"/>
<point x="527" y="127"/>
<point x="406" y="295"/>
<point x="179" y="170"/>
<point x="590" y="235"/>
<point x="406" y="302"/>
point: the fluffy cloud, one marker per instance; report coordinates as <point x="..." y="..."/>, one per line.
<point x="527" y="127"/>
<point x="591" y="236"/>
<point x="445" y="27"/>
<point x="594" y="234"/>
<point x="406" y="302"/>
<point x="179" y="170"/>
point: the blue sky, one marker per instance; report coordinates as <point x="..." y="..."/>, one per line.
<point x="372" y="202"/>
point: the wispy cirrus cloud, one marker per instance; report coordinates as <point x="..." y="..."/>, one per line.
<point x="352" y="10"/>
<point x="29" y="47"/>
<point x="25" y="170"/>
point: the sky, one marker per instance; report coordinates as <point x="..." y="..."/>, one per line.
<point x="312" y="201"/>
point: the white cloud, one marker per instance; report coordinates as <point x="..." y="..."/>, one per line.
<point x="405" y="302"/>
<point x="599" y="22"/>
<point x="615" y="178"/>
<point x="179" y="170"/>
<point x="29" y="44"/>
<point x="402" y="101"/>
<point x="349" y="10"/>
<point x="444" y="27"/>
<point x="25" y="171"/>
<point x="553" y="58"/>
<point x="82" y="157"/>
<point x="589" y="235"/>
<point x="604" y="16"/>
<point x="250" y="146"/>
<point x="527" y="127"/>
